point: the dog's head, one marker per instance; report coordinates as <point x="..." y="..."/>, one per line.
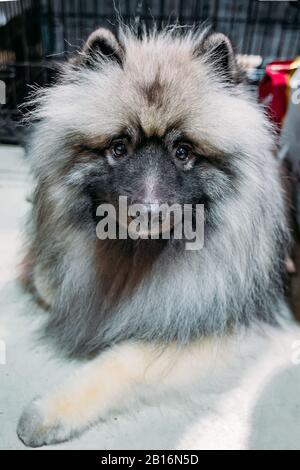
<point x="160" y="119"/>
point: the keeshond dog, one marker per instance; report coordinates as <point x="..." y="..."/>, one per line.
<point x="163" y="117"/>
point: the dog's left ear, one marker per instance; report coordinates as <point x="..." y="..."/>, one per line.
<point x="218" y="50"/>
<point x="102" y="42"/>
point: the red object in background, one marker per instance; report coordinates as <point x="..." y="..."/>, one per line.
<point x="274" y="89"/>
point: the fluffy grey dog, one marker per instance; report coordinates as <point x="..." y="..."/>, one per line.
<point x="164" y="118"/>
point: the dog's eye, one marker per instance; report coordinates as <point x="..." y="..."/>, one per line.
<point x="119" y="149"/>
<point x="183" y="152"/>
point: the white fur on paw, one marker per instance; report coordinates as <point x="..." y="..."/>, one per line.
<point x="35" y="429"/>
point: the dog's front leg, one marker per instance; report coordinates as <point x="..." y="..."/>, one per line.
<point x="89" y="394"/>
<point x="104" y="384"/>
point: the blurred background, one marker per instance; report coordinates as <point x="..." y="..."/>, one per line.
<point x="38" y="35"/>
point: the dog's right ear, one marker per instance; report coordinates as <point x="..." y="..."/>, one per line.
<point x="218" y="50"/>
<point x="101" y="42"/>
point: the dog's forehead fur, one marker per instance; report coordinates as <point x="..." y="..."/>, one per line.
<point x="160" y="84"/>
<point x="154" y="90"/>
<point x="163" y="79"/>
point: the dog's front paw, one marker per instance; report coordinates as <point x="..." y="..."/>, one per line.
<point x="36" y="427"/>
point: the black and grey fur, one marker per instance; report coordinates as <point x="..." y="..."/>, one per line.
<point x="154" y="93"/>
